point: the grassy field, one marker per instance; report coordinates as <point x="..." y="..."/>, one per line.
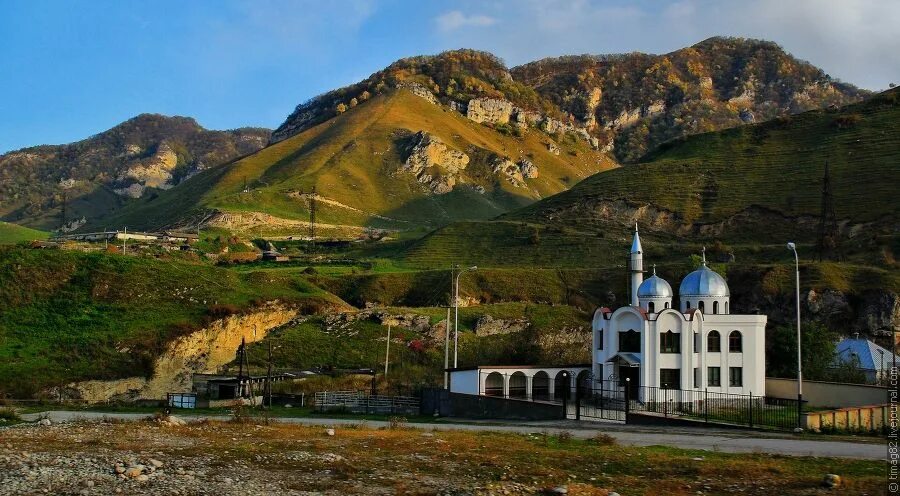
<point x="353" y="161"/>
<point x="67" y="316"/>
<point x="281" y="458"/>
<point x="12" y="234"/>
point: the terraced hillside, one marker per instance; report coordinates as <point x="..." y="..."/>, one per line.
<point x="757" y="181"/>
<point x="395" y="161"/>
<point x="12" y="233"/>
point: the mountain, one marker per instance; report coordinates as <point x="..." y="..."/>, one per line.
<point x="394" y="159"/>
<point x="753" y="180"/>
<point x="637" y="101"/>
<point x="434" y="139"/>
<point x="93" y="177"/>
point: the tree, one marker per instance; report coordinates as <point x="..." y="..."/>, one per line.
<point x="818" y="352"/>
<point x="341" y="108"/>
<point x="353" y="102"/>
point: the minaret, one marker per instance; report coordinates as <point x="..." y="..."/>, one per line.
<point x="637" y="266"/>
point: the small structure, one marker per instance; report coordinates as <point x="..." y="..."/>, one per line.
<point x="274" y="256"/>
<point x="873" y="360"/>
<point x="525" y="382"/>
<point x="224" y="387"/>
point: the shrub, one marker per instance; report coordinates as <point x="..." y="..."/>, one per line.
<point x="604" y="439"/>
<point x="397" y="422"/>
<point x="9" y="415"/>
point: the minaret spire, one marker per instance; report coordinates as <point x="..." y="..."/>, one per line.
<point x="637" y="265"/>
<point x="703" y="251"/>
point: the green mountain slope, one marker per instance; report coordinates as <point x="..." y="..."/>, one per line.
<point x="752" y="179"/>
<point x="358" y="163"/>
<point x="49" y="185"/>
<point x="12" y="233"/>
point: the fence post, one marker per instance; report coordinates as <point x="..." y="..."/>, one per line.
<point x="706" y="405"/>
<point x="751" y="409"/>
<point x="578" y="404"/>
<point x="666" y="402"/>
<point x="627" y="399"/>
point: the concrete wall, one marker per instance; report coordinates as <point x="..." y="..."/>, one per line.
<point x="855" y="419"/>
<point x="449" y="404"/>
<point x="827" y="394"/>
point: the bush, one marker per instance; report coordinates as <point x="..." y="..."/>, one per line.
<point x="604" y="439"/>
<point x="9" y="415"/>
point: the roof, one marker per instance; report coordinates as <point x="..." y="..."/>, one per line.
<point x="632" y="359"/>
<point x="703" y="282"/>
<point x="520" y="367"/>
<point x="654" y="287"/>
<point x="868" y="353"/>
<point x="636" y="244"/>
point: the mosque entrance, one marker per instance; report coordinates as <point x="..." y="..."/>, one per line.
<point x="633" y="382"/>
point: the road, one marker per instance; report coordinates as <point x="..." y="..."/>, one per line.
<point x="729" y="441"/>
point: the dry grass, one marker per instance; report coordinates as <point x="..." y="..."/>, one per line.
<point x="361" y="460"/>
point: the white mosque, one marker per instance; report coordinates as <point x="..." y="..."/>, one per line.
<point x="699" y="345"/>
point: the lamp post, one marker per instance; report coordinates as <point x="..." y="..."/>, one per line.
<point x="793" y="247"/>
<point x="456" y="316"/>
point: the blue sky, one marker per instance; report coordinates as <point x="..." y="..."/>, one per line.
<point x="72" y="69"/>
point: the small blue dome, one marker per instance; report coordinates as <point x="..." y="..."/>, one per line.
<point x="703" y="282"/>
<point x="654" y="287"/>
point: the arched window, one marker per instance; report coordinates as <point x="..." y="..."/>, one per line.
<point x="630" y="341"/>
<point x="735" y="344"/>
<point x="715" y="307"/>
<point x="713" y="342"/>
<point x="651" y="307"/>
<point x="687" y="305"/>
<point x="667" y="305"/>
<point x="702" y="307"/>
<point x="726" y="308"/>
<point x="669" y="342"/>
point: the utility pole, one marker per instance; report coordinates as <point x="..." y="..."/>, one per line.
<point x="387" y="352"/>
<point x="124" y="237"/>
<point x="312" y="219"/>
<point x="269" y="377"/>
<point x="793" y="248"/>
<point x="447" y="351"/>
<point x="62" y="227"/>
<point x="456" y="318"/>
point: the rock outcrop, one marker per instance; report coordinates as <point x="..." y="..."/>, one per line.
<point x="490" y="110"/>
<point x="418" y="90"/>
<point x="434" y="163"/>
<point x="489" y="326"/>
<point x="154" y="172"/>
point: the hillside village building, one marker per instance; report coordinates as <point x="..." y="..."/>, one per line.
<point x="696" y="344"/>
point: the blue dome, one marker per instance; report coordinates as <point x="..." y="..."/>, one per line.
<point x="703" y="282"/>
<point x="654" y="287"/>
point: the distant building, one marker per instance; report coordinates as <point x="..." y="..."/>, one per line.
<point x="701" y="345"/>
<point x="873" y="360"/>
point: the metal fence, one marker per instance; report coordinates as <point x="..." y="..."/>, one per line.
<point x="364" y="402"/>
<point x="614" y="401"/>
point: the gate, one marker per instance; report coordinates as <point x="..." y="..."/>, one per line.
<point x="602" y="400"/>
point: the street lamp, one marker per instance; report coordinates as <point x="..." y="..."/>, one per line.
<point x="456" y="317"/>
<point x="791" y="246"/>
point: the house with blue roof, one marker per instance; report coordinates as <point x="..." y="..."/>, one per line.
<point x="873" y="360"/>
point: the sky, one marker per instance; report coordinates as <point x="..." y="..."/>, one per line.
<point x="69" y="70"/>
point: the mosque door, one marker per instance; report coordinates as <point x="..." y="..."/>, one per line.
<point x="633" y="373"/>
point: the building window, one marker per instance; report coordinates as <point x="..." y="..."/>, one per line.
<point x="670" y="378"/>
<point x="726" y="308"/>
<point x="735" y="344"/>
<point x="687" y="305"/>
<point x="696" y="342"/>
<point x="600" y="340"/>
<point x="713" y="342"/>
<point x="651" y="307"/>
<point x="736" y="377"/>
<point x="713" y="376"/>
<point x="669" y="342"/>
<point x="696" y="378"/>
<point x="701" y="306"/>
<point x="667" y="305"/>
<point x="630" y="341"/>
<point x="715" y="307"/>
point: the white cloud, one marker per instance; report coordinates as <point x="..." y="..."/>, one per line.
<point x="453" y="20"/>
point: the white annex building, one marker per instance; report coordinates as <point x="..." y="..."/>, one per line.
<point x="698" y="344"/>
